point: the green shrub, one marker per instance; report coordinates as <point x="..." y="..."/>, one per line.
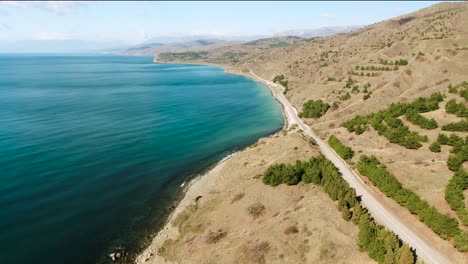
<point x="461" y="242"/>
<point x="414" y="117"/>
<point x="281" y="80"/>
<point x="463" y="91"/>
<point x="345" y="97"/>
<point x="314" y="109"/>
<point x="452" y="107"/>
<point x="387" y="124"/>
<point x="367" y="96"/>
<point x="443" y="225"/>
<point x="459" y="151"/>
<point x="435" y="147"/>
<point x="461" y="126"/>
<point x="454" y="194"/>
<point x="380" y="244"/>
<point x="342" y="150"/>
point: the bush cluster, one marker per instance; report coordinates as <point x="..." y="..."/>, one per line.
<point x="459" y="109"/>
<point x="387" y="123"/>
<point x="367" y="96"/>
<point x="344" y="151"/>
<point x="460" y="89"/>
<point x="417" y="119"/>
<point x="374" y="68"/>
<point x="400" y="62"/>
<point x="460" y="126"/>
<point x="443" y="225"/>
<point x="368" y="74"/>
<point x="459" y="150"/>
<point x="454" y="194"/>
<point x="435" y="147"/>
<point x="380" y="244"/>
<point x="349" y="83"/>
<point x="281" y="80"/>
<point x="345" y="97"/>
<point x="314" y="109"/>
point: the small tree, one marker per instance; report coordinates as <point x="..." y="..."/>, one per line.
<point x="435" y="147"/>
<point x="406" y="255"/>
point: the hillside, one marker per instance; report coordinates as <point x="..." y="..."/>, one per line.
<point x="202" y="43"/>
<point x="215" y="222"/>
<point x="364" y="72"/>
<point x="157" y="48"/>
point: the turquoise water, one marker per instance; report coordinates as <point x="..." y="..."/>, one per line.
<point x="93" y="148"/>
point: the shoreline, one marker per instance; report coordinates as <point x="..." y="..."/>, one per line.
<point x="198" y="184"/>
<point x="288" y="123"/>
<point x="185" y="199"/>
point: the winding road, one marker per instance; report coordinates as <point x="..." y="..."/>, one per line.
<point x="378" y="210"/>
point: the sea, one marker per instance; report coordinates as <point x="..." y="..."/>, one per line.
<point x="94" y="148"/>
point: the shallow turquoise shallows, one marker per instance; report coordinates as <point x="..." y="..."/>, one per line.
<point x="93" y="148"/>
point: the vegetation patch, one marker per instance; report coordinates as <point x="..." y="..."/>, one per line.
<point x="460" y="89"/>
<point x="459" y="150"/>
<point x="458" y="109"/>
<point x="380" y="244"/>
<point x="314" y="109"/>
<point x="345" y="97"/>
<point x="281" y="80"/>
<point x="435" y="147"/>
<point x="375" y="68"/>
<point x="454" y="194"/>
<point x="344" y="151"/>
<point x="387" y="123"/>
<point x="461" y="126"/>
<point x="444" y="225"/>
<point x="400" y="62"/>
<point x="417" y="119"/>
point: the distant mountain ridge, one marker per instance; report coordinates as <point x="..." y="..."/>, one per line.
<point x="163" y="44"/>
<point x="319" y="32"/>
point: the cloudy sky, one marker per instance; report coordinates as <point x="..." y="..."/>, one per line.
<point x="135" y="22"/>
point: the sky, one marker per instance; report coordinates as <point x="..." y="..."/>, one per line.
<point x="135" y="22"/>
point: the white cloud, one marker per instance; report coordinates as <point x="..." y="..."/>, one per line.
<point x="328" y="16"/>
<point x="4" y="26"/>
<point x="56" y="7"/>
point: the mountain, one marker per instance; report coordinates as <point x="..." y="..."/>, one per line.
<point x="156" y="48"/>
<point x="183" y="43"/>
<point x="318" y="32"/>
<point x="191" y="38"/>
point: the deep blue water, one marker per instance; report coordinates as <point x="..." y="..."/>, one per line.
<point x="93" y="148"/>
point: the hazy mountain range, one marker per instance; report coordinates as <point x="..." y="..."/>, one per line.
<point x="161" y="44"/>
<point x="74" y="45"/>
